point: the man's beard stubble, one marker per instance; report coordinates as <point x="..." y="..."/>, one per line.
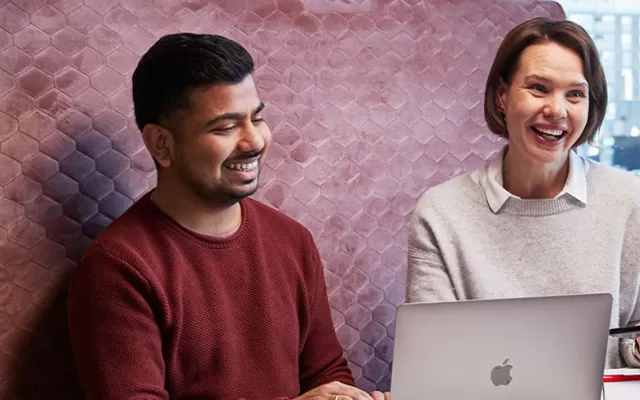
<point x="217" y="196"/>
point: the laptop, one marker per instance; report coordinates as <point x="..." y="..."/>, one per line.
<point x="551" y="348"/>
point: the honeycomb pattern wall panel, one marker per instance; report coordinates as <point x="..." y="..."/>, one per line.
<point x="371" y="102"/>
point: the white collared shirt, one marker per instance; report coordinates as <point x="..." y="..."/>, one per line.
<point x="489" y="177"/>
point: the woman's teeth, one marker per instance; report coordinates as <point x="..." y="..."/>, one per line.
<point x="549" y="134"/>
<point x="243" y="167"/>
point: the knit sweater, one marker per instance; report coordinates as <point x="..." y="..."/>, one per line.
<point x="460" y="250"/>
<point x="158" y="312"/>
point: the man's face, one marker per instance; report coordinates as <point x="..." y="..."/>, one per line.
<point x="220" y="142"/>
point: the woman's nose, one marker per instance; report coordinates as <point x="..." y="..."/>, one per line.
<point x="556" y="107"/>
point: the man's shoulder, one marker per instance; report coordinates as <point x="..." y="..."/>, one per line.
<point x="132" y="218"/>
<point x="127" y="233"/>
<point x="273" y="219"/>
<point x="139" y="234"/>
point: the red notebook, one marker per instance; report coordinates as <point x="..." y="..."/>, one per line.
<point x="621" y="375"/>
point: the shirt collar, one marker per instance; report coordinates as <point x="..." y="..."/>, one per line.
<point x="490" y="178"/>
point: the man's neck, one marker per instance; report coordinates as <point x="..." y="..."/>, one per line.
<point x="189" y="211"/>
<point x="534" y="181"/>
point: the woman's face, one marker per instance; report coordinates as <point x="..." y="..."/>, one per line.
<point x="546" y="106"/>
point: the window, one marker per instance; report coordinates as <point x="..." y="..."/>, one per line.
<point x="585" y="20"/>
<point x="611" y="74"/>
<point x="605" y="40"/>
<point x="615" y="29"/>
<point x="627" y="78"/>
<point x="612" y="94"/>
<point x="611" y="112"/>
<point x="608" y="59"/>
<point x="626" y="41"/>
<point x="604" y="23"/>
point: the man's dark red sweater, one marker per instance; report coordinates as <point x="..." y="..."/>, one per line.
<point x="159" y="312"/>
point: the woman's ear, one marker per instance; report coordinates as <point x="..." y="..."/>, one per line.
<point x="159" y="142"/>
<point x="502" y="96"/>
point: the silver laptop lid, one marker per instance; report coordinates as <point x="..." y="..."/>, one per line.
<point x="551" y="348"/>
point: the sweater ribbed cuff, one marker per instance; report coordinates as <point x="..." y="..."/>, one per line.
<point x="627" y="349"/>
<point x="630" y="351"/>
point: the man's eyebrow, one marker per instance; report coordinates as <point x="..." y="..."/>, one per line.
<point x="234" y="116"/>
<point x="545" y="79"/>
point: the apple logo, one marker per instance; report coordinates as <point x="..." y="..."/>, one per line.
<point x="501" y="374"/>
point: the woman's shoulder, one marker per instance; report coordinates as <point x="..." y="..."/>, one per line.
<point x="614" y="183"/>
<point x="456" y="191"/>
<point x="612" y="177"/>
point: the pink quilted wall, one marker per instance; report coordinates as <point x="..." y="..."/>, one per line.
<point x="370" y="102"/>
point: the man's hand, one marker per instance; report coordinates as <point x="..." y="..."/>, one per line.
<point x="336" y="391"/>
<point x="381" y="396"/>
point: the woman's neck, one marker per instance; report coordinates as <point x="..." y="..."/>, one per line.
<point x="534" y="180"/>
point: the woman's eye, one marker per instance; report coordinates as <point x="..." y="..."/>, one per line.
<point x="577" y="93"/>
<point x="537" y="87"/>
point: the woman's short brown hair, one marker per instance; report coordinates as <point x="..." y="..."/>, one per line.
<point x="540" y="30"/>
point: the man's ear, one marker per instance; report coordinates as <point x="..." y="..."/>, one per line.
<point x="159" y="142"/>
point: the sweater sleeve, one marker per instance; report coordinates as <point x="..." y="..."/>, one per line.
<point x="630" y="280"/>
<point x="428" y="278"/>
<point x="321" y="360"/>
<point x="115" y="338"/>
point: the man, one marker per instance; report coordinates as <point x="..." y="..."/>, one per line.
<point x="198" y="291"/>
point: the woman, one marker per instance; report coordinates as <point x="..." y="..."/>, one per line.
<point x="537" y="219"/>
